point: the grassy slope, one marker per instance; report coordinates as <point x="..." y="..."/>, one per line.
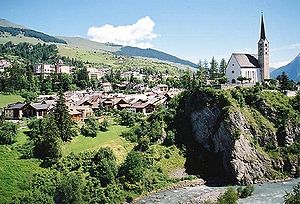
<point x="107" y="59"/>
<point x="6" y="99"/>
<point x="97" y="57"/>
<point x="111" y="138"/>
<point x="18" y="39"/>
<point x="15" y="172"/>
<point x="168" y="158"/>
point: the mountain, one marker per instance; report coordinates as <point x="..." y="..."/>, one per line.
<point x="151" y="53"/>
<point x="127" y="51"/>
<point x="17" y="33"/>
<point x="6" y="23"/>
<point x="292" y="69"/>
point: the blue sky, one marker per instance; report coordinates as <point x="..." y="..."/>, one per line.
<point x="190" y="29"/>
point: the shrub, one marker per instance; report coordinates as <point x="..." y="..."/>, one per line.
<point x="103" y="126"/>
<point x="88" y="131"/>
<point x="229" y="197"/>
<point x="8" y="132"/>
<point x="245" y="192"/>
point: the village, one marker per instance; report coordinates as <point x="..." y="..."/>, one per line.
<point x="83" y="104"/>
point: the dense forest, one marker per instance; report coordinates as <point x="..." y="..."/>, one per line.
<point x="31" y="33"/>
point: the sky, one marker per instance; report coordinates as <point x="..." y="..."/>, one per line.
<point x="189" y="29"/>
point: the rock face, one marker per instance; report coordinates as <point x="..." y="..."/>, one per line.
<point x="239" y="136"/>
<point x="241" y="161"/>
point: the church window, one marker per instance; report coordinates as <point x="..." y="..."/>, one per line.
<point x="232" y="64"/>
<point x="232" y="72"/>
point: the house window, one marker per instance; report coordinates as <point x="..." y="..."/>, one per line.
<point x="232" y="72"/>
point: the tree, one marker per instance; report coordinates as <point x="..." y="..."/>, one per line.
<point x="241" y="79"/>
<point x="222" y="69"/>
<point x="213" y="71"/>
<point x="63" y="120"/>
<point x="284" y="82"/>
<point x="29" y="96"/>
<point x="294" y="196"/>
<point x="8" y="132"/>
<point x="69" y="189"/>
<point x="296" y="101"/>
<point x="104" y="166"/>
<point x="132" y="170"/>
<point x="46" y="140"/>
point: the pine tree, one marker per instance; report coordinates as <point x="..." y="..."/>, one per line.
<point x="223" y="66"/>
<point x="213" y="71"/>
<point x="63" y="119"/>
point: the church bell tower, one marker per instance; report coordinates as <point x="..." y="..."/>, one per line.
<point x="263" y="52"/>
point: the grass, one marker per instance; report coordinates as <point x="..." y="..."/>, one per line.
<point x="168" y="158"/>
<point x="7" y="99"/>
<point x="110" y="138"/>
<point x="106" y="59"/>
<point x="97" y="57"/>
<point x="15" y="172"/>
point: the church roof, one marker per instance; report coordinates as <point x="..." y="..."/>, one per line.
<point x="246" y="60"/>
<point x="262" y="29"/>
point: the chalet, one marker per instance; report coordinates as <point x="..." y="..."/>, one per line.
<point x="121" y="104"/>
<point x="142" y="107"/>
<point x="75" y="115"/>
<point x="19" y="110"/>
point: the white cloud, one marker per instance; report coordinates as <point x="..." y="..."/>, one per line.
<point x="138" y="34"/>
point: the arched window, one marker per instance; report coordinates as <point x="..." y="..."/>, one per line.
<point x="233" y="81"/>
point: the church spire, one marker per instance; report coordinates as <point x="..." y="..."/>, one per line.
<point x="262" y="29"/>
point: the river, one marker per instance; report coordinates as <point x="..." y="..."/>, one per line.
<point x="267" y="193"/>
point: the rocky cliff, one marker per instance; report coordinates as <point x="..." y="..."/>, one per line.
<point x="230" y="135"/>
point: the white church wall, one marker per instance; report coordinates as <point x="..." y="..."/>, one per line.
<point x="253" y="73"/>
<point x="233" y="70"/>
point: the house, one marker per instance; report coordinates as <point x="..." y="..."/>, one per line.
<point x="85" y="111"/>
<point x="43" y="69"/>
<point x="75" y="115"/>
<point x="14" y="111"/>
<point x="142" y="107"/>
<point x="253" y="67"/>
<point x="96" y="73"/>
<point x="106" y="87"/>
<point x="121" y="104"/>
<point x="48" y="69"/>
<point x="161" y="88"/>
<point x="20" y="110"/>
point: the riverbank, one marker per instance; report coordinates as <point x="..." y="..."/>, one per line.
<point x="269" y="193"/>
<point x="178" y="185"/>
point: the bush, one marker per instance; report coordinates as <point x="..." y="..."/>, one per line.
<point x="103" y="126"/>
<point x="229" y="197"/>
<point x="88" y="131"/>
<point x="8" y="132"/>
<point x="245" y="192"/>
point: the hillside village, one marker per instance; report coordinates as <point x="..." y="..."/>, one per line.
<point x="84" y="104"/>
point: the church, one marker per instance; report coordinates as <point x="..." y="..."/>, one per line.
<point x="254" y="67"/>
